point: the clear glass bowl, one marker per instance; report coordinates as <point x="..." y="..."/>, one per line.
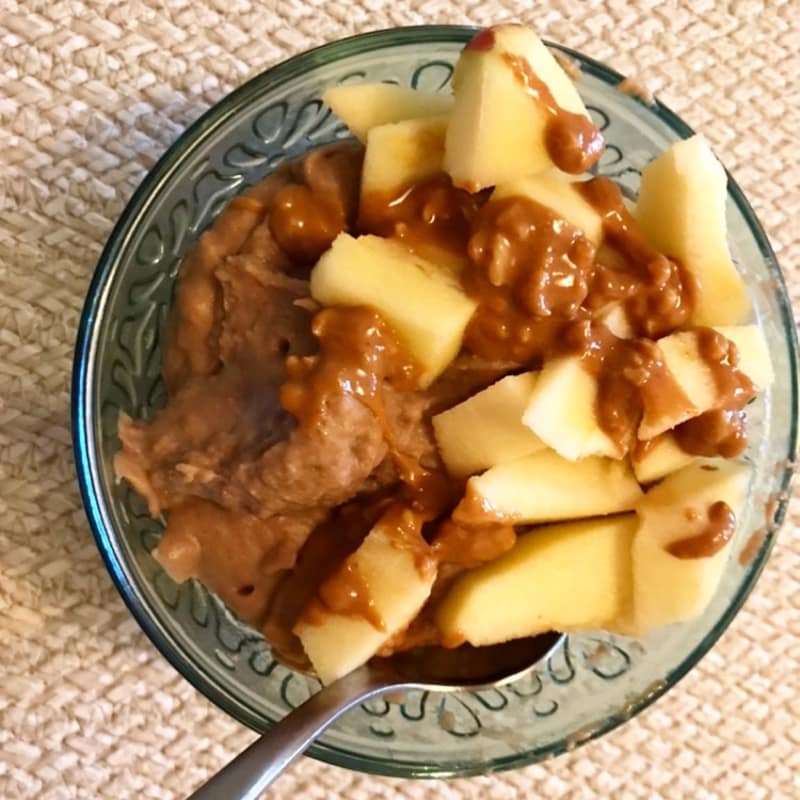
<point x="596" y="681"/>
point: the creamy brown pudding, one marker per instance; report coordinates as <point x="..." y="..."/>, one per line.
<point x="300" y="433"/>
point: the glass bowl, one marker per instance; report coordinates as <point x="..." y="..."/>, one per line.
<point x="589" y="686"/>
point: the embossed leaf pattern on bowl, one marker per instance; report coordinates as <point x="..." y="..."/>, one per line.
<point x="594" y="681"/>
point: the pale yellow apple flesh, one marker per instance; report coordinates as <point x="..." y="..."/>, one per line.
<point x="402" y="153"/>
<point x="363" y="106"/>
<point x="424" y="303"/>
<point x="682" y="357"/>
<point x="572" y="576"/>
<point x="662" y="456"/>
<point x="562" y="411"/>
<point x="681" y="209"/>
<point x="486" y="429"/>
<point x="544" y="487"/>
<point x="497" y="129"/>
<point x="754" y="358"/>
<point x="668" y="589"/>
<point x="398" y="588"/>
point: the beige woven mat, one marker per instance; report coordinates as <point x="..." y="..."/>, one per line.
<point x="91" y="93"/>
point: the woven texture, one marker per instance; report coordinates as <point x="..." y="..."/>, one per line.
<point x="91" y="93"/>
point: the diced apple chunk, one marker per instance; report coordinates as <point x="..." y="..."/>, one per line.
<point x="544" y="487"/>
<point x="681" y="209"/>
<point x="568" y="577"/>
<point x="683" y="358"/>
<point x="364" y="106"/>
<point x="754" y="358"/>
<point x="660" y="458"/>
<point x="487" y="429"/>
<point x="423" y="302"/>
<point x="562" y="411"/>
<point x="497" y="128"/>
<point x="666" y="588"/>
<point x="562" y="196"/>
<point x="402" y="153"/>
<point x="337" y="643"/>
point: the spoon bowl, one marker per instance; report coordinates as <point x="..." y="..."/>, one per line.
<point x="428" y="668"/>
<point x="466" y="667"/>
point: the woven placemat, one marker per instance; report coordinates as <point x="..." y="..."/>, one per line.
<point x="91" y="93"/>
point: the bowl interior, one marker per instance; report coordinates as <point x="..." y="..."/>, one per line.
<point x="587" y="687"/>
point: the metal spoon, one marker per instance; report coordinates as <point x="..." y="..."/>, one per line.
<point x="429" y="668"/>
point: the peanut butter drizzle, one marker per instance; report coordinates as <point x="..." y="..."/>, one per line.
<point x="426" y="215"/>
<point x="717" y="532"/>
<point x="721" y="431"/>
<point x="470" y="545"/>
<point x="573" y="141"/>
<point x="657" y="292"/>
<point x="358" y="352"/>
<point x="474" y="510"/>
<point x="632" y="380"/>
<point x="305" y="224"/>
<point x="346" y="593"/>
<point x="642" y="448"/>
<point x="328" y="547"/>
<point x="403" y="526"/>
<point x="530" y="272"/>
<point x="474" y="533"/>
<point x="734" y="389"/>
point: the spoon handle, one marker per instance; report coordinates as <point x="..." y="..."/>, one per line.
<point x="255" y="768"/>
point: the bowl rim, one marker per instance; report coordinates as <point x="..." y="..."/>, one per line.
<point x="84" y="365"/>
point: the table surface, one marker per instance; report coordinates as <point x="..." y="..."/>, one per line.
<point x="91" y="93"/>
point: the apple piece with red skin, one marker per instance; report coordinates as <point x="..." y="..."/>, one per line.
<point x="509" y="94"/>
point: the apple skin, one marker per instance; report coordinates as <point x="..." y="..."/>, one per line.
<point x="485" y="40"/>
